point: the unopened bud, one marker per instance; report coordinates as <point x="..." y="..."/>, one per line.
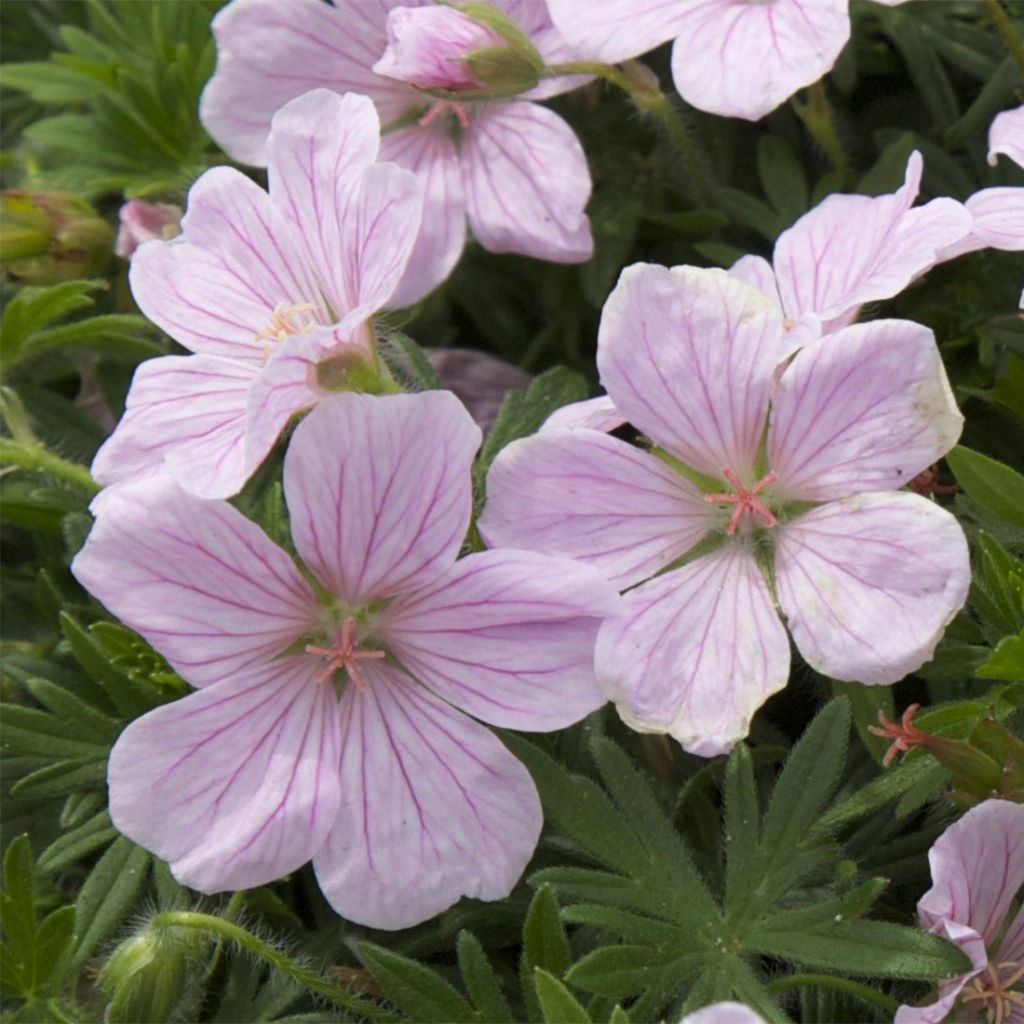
<point x="48" y="237"/>
<point x="140" y="222"/>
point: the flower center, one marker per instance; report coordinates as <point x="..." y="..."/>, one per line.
<point x="992" y="989"/>
<point x="345" y="654"/>
<point x="745" y="501"/>
<point x="283" y="323"/>
<point x="457" y="110"/>
<point x="904" y="734"/>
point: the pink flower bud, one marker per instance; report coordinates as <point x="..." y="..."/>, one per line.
<point x="142" y="222"/>
<point x="428" y="46"/>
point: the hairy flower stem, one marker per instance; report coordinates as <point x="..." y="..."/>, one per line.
<point x="1005" y="28"/>
<point x="819" y="120"/>
<point x="853" y="988"/>
<point x="648" y="98"/>
<point x="219" y="928"/>
<point x="38" y="459"/>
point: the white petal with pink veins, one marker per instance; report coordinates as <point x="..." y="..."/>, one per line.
<point x="378" y="490"/>
<point x="430" y="153"/>
<point x="184" y="415"/>
<point x="270" y="52"/>
<point x="687" y="356"/>
<point x="850" y="250"/>
<point x="613" y="30"/>
<point x="869" y="584"/>
<point x="433" y="808"/>
<point x="593" y="414"/>
<point x="743" y="59"/>
<point x="235" y="785"/>
<point x="514" y="201"/>
<point x="695" y="652"/>
<point x="1007" y="136"/>
<point x="864" y="409"/>
<point x="507" y="636"/>
<point x="584" y="495"/>
<point x="203" y="584"/>
<point x="998" y="218"/>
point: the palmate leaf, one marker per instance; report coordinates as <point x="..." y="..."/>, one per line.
<point x="681" y="944"/>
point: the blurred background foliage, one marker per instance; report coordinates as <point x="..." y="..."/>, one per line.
<point x="650" y="892"/>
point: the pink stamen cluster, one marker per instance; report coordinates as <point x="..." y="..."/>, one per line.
<point x="457" y="110"/>
<point x="343" y="655"/>
<point x="744" y="501"/>
<point x="904" y="734"/>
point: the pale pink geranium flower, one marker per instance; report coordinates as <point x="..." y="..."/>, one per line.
<point x="272" y="292"/>
<point x="515" y="169"/>
<point x="771" y="487"/>
<point x="738" y="58"/>
<point x="331" y="719"/>
<point x="977" y="874"/>
<point x="139" y="221"/>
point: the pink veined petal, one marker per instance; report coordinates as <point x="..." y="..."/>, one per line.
<point x="864" y="409"/>
<point x="581" y="494"/>
<point x="757" y="272"/>
<point x="430" y="153"/>
<point x="687" y="356"/>
<point x="506" y="636"/>
<point x="850" y="250"/>
<point x="723" y="1013"/>
<point x="593" y="414"/>
<point x="998" y="218"/>
<point x="1007" y="136"/>
<point x="209" y="306"/>
<point x="433" y="808"/>
<point x="204" y="585"/>
<point x="184" y="415"/>
<point x="479" y="380"/>
<point x="514" y="202"/>
<point x="236" y="222"/>
<point x="869" y="584"/>
<point x="235" y="785"/>
<point x="695" y="652"/>
<point x="743" y="59"/>
<point x="613" y="30"/>
<point x="378" y="490"/>
<point x="269" y="53"/>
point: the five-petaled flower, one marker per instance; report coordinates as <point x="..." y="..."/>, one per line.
<point x="977" y="875"/>
<point x="492" y="162"/>
<point x="770" y="487"/>
<point x="402" y="800"/>
<point x="272" y="292"/>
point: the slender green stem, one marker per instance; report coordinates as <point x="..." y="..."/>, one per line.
<point x="1005" y="28"/>
<point x="853" y="988"/>
<point x="231" y="911"/>
<point x="649" y="99"/>
<point x="218" y="927"/>
<point x="38" y="459"/>
<point x="54" y="1010"/>
<point x="817" y="116"/>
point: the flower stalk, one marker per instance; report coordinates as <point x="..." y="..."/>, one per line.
<point x="819" y="119"/>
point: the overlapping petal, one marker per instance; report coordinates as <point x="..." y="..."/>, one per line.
<point x="593" y="413"/>
<point x="234" y="785"/>
<point x="431" y="154"/>
<point x="1007" y="136"/>
<point x="514" y="202"/>
<point x="864" y="409"/>
<point x="868" y="584"/>
<point x="507" y="636"/>
<point x="184" y="415"/>
<point x="582" y="494"/>
<point x="203" y="584"/>
<point x="695" y="652"/>
<point x="613" y="30"/>
<point x="378" y="490"/>
<point x="850" y="249"/>
<point x="269" y="53"/>
<point x="997" y="218"/>
<point x="687" y="356"/>
<point x="743" y="59"/>
<point x="433" y="807"/>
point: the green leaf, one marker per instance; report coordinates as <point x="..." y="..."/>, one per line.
<point x="751" y="212"/>
<point x="545" y="945"/>
<point x="79" y="842"/>
<point x="61" y="778"/>
<point x="873" y="949"/>
<point x="558" y="1005"/>
<point x="742" y="827"/>
<point x="624" y="971"/>
<point x="480" y="980"/>
<point x="418" y="991"/>
<point x="992" y="486"/>
<point x="109" y="893"/>
<point x="31" y="308"/>
<point x="924" y="67"/>
<point x="1006" y="661"/>
<point x="782" y="178"/>
<point x="522" y="413"/>
<point x="409" y="357"/>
